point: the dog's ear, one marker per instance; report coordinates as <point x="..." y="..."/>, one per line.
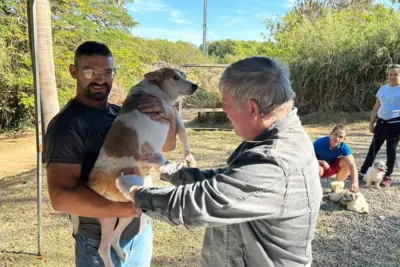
<point x="156" y="75"/>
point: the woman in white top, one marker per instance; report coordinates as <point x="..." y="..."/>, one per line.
<point x="386" y="115"/>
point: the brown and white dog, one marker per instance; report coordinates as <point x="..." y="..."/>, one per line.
<point x="132" y="138"/>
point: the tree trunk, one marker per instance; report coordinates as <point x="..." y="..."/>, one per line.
<point x="47" y="76"/>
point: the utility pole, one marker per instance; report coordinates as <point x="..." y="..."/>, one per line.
<point x="205" y="28"/>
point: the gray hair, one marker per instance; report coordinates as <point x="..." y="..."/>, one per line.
<point x="393" y="66"/>
<point x="259" y="79"/>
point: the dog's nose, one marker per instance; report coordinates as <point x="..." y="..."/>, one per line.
<point x="194" y="87"/>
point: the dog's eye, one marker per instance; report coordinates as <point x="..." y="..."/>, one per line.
<point x="176" y="77"/>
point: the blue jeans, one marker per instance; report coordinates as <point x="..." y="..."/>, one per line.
<point x="139" y="249"/>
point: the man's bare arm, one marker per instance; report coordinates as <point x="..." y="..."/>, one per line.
<point x="68" y="196"/>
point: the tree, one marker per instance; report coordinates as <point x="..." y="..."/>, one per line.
<point x="47" y="77"/>
<point x="73" y="22"/>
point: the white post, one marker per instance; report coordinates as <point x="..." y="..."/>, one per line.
<point x="38" y="110"/>
<point x="205" y="28"/>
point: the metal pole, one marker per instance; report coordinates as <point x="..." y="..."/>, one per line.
<point x="38" y="110"/>
<point x="180" y="102"/>
<point x="205" y="28"/>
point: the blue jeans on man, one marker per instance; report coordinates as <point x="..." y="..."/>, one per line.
<point x="139" y="250"/>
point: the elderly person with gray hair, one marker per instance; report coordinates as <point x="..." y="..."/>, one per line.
<point x="261" y="210"/>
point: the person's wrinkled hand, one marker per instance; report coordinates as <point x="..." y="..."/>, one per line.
<point x="157" y="108"/>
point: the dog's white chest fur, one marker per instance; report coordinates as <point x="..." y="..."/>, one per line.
<point x="374" y="176"/>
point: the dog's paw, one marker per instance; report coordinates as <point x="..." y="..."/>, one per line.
<point x="190" y="161"/>
<point x="123" y="256"/>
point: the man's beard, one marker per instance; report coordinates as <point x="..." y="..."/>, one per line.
<point x="99" y="96"/>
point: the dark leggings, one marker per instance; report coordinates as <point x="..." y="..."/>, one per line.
<point x="376" y="144"/>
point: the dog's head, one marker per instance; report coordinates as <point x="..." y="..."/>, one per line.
<point x="172" y="81"/>
<point x="380" y="166"/>
<point x="349" y="197"/>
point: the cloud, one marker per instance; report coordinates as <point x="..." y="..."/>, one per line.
<point x="241" y="11"/>
<point x="177" y="17"/>
<point x="262" y="15"/>
<point x="243" y="34"/>
<point x="254" y="12"/>
<point x="195" y="36"/>
<point x="190" y="35"/>
<point x="229" y="21"/>
<point x="289" y="3"/>
<point x="142" y="6"/>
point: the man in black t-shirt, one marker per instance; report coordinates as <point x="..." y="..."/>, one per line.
<point x="72" y="143"/>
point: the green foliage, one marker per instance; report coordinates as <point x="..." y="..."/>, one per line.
<point x="207" y="96"/>
<point x="228" y="51"/>
<point x="74" y="22"/>
<point x="338" y="54"/>
<point x="15" y="77"/>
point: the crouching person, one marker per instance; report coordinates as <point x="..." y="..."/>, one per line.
<point x="261" y="210"/>
<point x="335" y="157"/>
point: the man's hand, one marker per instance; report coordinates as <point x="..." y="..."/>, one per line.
<point x="161" y="109"/>
<point x="128" y="209"/>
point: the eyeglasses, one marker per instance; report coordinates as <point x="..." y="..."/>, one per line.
<point x="89" y="74"/>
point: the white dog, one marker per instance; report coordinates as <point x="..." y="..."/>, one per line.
<point x="352" y="201"/>
<point x="375" y="174"/>
<point x="132" y="138"/>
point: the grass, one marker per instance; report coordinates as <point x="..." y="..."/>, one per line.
<point x="342" y="238"/>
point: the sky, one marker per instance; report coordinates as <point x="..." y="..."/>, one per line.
<point x="226" y="19"/>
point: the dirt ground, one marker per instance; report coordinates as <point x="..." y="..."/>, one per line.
<point x="18" y="154"/>
<point x="342" y="238"/>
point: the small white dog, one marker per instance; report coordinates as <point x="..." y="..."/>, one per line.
<point x="352" y="201"/>
<point x="336" y="185"/>
<point x="132" y="138"/>
<point x="375" y="173"/>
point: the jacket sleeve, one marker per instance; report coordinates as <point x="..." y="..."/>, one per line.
<point x="176" y="174"/>
<point x="252" y="188"/>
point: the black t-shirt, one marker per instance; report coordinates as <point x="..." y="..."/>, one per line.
<point x="75" y="135"/>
